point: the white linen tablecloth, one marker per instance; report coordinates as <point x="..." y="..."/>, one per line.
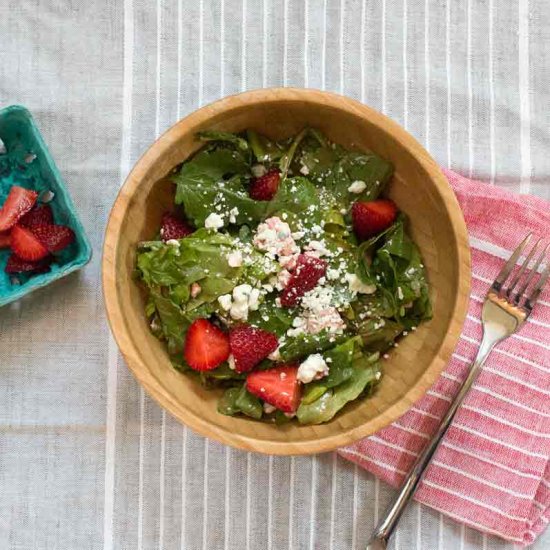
<point x="87" y="461"/>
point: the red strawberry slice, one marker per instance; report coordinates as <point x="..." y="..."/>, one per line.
<point x="54" y="237"/>
<point x="206" y="346"/>
<point x="278" y="387"/>
<point x="173" y="227"/>
<point x="26" y="245"/>
<point x="18" y="203"/>
<point x="249" y="345"/>
<point x="305" y="277"/>
<point x="39" y="215"/>
<point x="370" y="218"/>
<point x="5" y="239"/>
<point x="265" y="187"/>
<point x="16" y="264"/>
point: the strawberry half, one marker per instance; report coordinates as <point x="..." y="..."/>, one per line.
<point x="370" y="218"/>
<point x="18" y="203"/>
<point x="54" y="237"/>
<point x="15" y="264"/>
<point x="265" y="187"/>
<point x="39" y="215"/>
<point x="249" y="345"/>
<point x="5" y="239"/>
<point x="206" y="346"/>
<point x="173" y="227"/>
<point x="26" y="245"/>
<point x="305" y="277"/>
<point x="278" y="387"/>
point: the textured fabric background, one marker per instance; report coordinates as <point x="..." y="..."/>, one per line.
<point x="87" y="461"/>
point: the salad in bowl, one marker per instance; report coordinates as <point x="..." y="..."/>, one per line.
<point x="281" y="275"/>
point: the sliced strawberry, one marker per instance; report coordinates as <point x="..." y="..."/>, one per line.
<point x="5" y="239"/>
<point x="206" y="346"/>
<point x="18" y="203"/>
<point x="305" y="277"/>
<point x="173" y="227"/>
<point x="16" y="264"/>
<point x="265" y="187"/>
<point x="26" y="245"/>
<point x="278" y="387"/>
<point x="370" y="218"/>
<point x="54" y="237"/>
<point x="39" y="215"/>
<point x="249" y="345"/>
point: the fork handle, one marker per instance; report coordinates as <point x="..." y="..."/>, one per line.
<point x="392" y="514"/>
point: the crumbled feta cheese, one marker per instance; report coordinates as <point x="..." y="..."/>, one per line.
<point x="386" y="356"/>
<point x="233" y="213"/>
<point x="213" y="221"/>
<point x="267" y="288"/>
<point x="274" y="236"/>
<point x="313" y="368"/>
<point x="399" y="292"/>
<point x="275" y="355"/>
<point x="225" y="301"/>
<point x="333" y="274"/>
<point x="343" y="211"/>
<point x="304" y="170"/>
<point x="283" y="277"/>
<point x="357" y="187"/>
<point x="317" y="229"/>
<point x="173" y="242"/>
<point x="244" y="299"/>
<point x="356" y="285"/>
<point x="235" y="258"/>
<point x="195" y="290"/>
<point x="317" y="249"/>
<point x="288" y="262"/>
<point x="268" y="409"/>
<point x="297" y="235"/>
<point x="231" y="362"/>
<point x="258" y="170"/>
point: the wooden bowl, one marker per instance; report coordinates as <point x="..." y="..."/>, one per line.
<point x="420" y="190"/>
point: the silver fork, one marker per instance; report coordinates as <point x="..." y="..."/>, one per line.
<point x="504" y="311"/>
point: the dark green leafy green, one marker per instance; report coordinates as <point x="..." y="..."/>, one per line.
<point x="224" y="137"/>
<point x="332" y="400"/>
<point x="239" y="400"/>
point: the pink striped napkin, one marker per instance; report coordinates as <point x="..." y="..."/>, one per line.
<point x="492" y="471"/>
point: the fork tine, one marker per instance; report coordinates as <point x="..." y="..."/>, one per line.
<point x="509" y="265"/>
<point x="522" y="269"/>
<point x="532" y="298"/>
<point x="531" y="275"/>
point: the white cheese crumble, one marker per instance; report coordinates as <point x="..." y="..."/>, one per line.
<point x="233" y="213"/>
<point x="173" y="242"/>
<point x="244" y="299"/>
<point x="356" y="285"/>
<point x="317" y="249"/>
<point x="304" y="170"/>
<point x="274" y="237"/>
<point x="213" y="221"/>
<point x="231" y="362"/>
<point x="235" y="258"/>
<point x="275" y="355"/>
<point x="357" y="187"/>
<point x="313" y="368"/>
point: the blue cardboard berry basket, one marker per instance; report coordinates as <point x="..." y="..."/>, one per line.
<point x="26" y="161"/>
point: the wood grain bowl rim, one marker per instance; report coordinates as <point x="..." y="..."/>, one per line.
<point x="121" y="331"/>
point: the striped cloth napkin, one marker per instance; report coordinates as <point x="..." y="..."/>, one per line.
<point x="492" y="471"/>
